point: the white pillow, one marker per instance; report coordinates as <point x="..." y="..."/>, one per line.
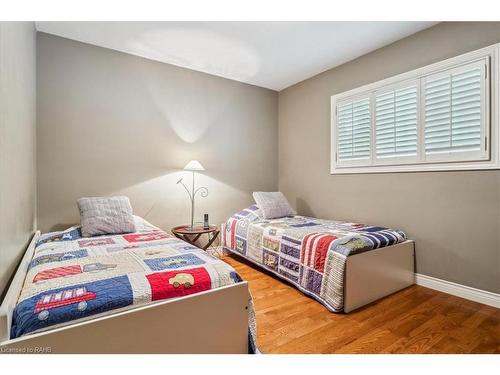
<point x="273" y="205"/>
<point x="105" y="215"/>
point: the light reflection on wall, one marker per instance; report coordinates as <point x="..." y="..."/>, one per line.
<point x="189" y="47"/>
<point x="159" y="199"/>
<point x="131" y="124"/>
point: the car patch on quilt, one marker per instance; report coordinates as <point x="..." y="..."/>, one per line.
<point x="148" y="236"/>
<point x="69" y="303"/>
<point x="96" y="242"/>
<point x="173" y="262"/>
<point x="69" y="235"/>
<point x="54" y="273"/>
<point x="170" y="284"/>
<point x="58" y="257"/>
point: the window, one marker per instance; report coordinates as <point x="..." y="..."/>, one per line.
<point x="453" y="113"/>
<point x="354" y="130"/>
<point x="396" y="123"/>
<point x="440" y="117"/>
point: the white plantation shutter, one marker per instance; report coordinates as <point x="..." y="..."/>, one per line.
<point x="440" y="117"/>
<point x="353" y="130"/>
<point x="396" y="122"/>
<point x="454" y="104"/>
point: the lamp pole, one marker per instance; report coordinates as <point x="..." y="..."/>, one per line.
<point x="192" y="195"/>
<point x="192" y="205"/>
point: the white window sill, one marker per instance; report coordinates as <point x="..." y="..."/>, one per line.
<point x="437" y="167"/>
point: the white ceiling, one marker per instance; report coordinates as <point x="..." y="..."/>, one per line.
<point x="274" y="55"/>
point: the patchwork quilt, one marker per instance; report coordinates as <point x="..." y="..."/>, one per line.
<point x="72" y="278"/>
<point x="308" y="252"/>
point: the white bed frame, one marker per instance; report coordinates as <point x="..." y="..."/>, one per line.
<point x="375" y="274"/>
<point x="214" y="321"/>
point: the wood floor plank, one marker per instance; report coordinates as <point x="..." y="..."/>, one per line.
<point x="414" y="320"/>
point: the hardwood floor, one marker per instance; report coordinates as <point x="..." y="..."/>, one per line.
<point x="414" y="320"/>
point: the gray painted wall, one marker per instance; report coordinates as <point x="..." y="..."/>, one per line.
<point x="454" y="217"/>
<point x="112" y="123"/>
<point x="17" y="143"/>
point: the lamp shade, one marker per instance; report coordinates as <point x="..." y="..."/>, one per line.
<point x="194" y="165"/>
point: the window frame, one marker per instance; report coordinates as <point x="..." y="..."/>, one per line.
<point x="489" y="155"/>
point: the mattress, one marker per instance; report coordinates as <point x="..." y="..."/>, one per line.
<point x="71" y="278"/>
<point x="308" y="252"/>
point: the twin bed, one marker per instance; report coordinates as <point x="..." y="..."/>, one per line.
<point x="342" y="265"/>
<point x="149" y="292"/>
<point x="142" y="292"/>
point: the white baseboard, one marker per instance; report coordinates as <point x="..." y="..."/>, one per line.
<point x="473" y="294"/>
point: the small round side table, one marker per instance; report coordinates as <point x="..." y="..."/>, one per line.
<point x="185" y="233"/>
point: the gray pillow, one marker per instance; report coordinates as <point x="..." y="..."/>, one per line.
<point x="103" y="215"/>
<point x="273" y="205"/>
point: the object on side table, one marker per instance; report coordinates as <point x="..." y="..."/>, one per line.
<point x="185" y="233"/>
<point x="205" y="222"/>
<point x="194" y="165"/>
